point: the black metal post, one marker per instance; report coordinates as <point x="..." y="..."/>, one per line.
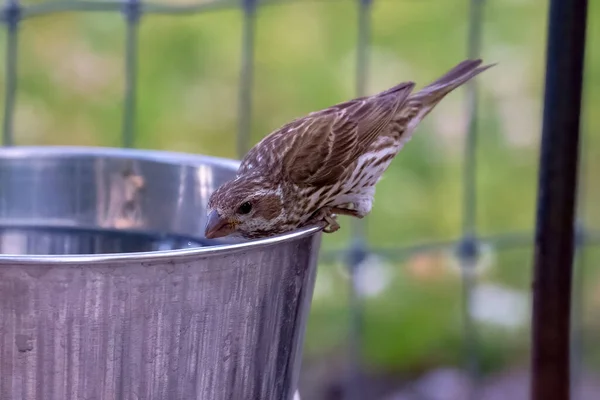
<point x="554" y="242"/>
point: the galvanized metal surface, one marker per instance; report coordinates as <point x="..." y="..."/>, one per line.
<point x="220" y="322"/>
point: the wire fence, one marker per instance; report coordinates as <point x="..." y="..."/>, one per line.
<point x="467" y="246"/>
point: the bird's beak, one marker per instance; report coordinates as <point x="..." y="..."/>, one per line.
<point x="217" y="227"/>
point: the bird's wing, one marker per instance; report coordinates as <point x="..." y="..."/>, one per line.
<point x="316" y="149"/>
<point x="265" y="155"/>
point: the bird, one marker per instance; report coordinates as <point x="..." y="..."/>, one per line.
<point x="326" y="163"/>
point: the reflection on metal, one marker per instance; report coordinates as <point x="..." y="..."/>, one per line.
<point x="213" y="322"/>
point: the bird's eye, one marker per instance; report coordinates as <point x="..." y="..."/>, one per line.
<point x="245" y="208"/>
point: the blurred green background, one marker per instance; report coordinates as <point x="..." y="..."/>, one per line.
<point x="70" y="91"/>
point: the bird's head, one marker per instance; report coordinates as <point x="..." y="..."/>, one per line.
<point x="248" y="206"/>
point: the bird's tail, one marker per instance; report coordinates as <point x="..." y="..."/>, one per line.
<point x="422" y="102"/>
<point x="457" y="76"/>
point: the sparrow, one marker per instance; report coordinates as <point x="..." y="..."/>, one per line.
<point x="326" y="163"/>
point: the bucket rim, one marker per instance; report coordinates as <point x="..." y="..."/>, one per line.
<point x="21" y="152"/>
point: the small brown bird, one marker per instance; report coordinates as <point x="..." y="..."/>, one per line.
<point x="326" y="163"/>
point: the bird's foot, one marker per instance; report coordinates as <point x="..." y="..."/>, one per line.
<point x="326" y="218"/>
<point x="332" y="224"/>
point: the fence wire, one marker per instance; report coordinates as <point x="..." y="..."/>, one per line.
<point x="467" y="246"/>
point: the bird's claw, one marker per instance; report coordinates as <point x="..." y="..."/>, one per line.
<point x="326" y="219"/>
<point x="332" y="224"/>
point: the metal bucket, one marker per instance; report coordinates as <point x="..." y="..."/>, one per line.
<point x="108" y="290"/>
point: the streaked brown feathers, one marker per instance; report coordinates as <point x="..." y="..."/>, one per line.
<point x="329" y="161"/>
<point x="334" y="140"/>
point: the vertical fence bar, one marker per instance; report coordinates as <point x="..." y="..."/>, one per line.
<point x="582" y="239"/>
<point x="358" y="251"/>
<point x="362" y="46"/>
<point x="576" y="340"/>
<point x="362" y="71"/>
<point x="556" y="200"/>
<point x="468" y="247"/>
<point x="132" y="11"/>
<point x="470" y="165"/>
<point x="246" y="77"/>
<point x="11" y="17"/>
